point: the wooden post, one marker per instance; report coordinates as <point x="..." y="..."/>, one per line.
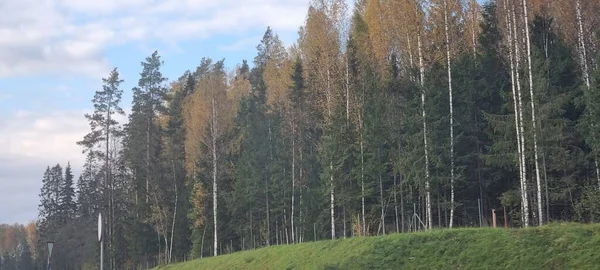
<point x="494" y="218"/>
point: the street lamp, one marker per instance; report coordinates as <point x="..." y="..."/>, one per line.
<point x="50" y="246"/>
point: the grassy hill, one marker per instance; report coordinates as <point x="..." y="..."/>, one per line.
<point x="556" y="246"/>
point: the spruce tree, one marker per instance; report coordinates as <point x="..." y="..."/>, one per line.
<point x="67" y="195"/>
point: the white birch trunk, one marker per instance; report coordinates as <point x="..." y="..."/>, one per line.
<point x="451" y="113"/>
<point x="515" y="98"/>
<point x="174" y="212"/>
<point x="410" y="54"/>
<point x="344" y="221"/>
<point x="332" y="197"/>
<point x="524" y="199"/>
<point x="362" y="178"/>
<point x="584" y="64"/>
<point x="173" y="225"/>
<point x="214" y="157"/>
<point x="301" y="202"/>
<point x="533" y="120"/>
<point x="422" y="77"/>
<point x="347" y="90"/>
<point x="293" y="179"/>
<point x="583" y="52"/>
<point x="332" y="192"/>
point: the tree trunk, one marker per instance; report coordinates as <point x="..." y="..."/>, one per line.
<point x="174" y="212"/>
<point x="293" y="180"/>
<point x="396" y="204"/>
<point x="347" y="90"/>
<point x="523" y="170"/>
<point x="382" y="204"/>
<point x="148" y="134"/>
<point x="474" y="25"/>
<point x="533" y="120"/>
<point x="516" y="97"/>
<point x="422" y="76"/>
<point x="301" y="202"/>
<point x="344" y="221"/>
<point x="109" y="183"/>
<point x="332" y="192"/>
<point x="451" y="113"/>
<point x="402" y="205"/>
<point x="584" y="65"/>
<point x="582" y="50"/>
<point x="597" y="172"/>
<point x="362" y="177"/>
<point x="410" y="53"/>
<point x="332" y="197"/>
<point x="214" y="172"/>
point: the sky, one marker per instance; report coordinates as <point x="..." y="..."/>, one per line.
<point x="54" y="54"/>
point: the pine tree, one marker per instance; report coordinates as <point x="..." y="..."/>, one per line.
<point x="100" y="142"/>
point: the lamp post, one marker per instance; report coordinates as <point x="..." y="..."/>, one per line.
<point x="50" y="246"/>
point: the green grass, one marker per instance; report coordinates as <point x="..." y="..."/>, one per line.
<point x="556" y="246"/>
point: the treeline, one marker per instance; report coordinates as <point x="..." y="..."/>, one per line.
<point x="17" y="246"/>
<point x="392" y="116"/>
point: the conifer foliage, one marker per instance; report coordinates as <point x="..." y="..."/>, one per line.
<point x="399" y="116"/>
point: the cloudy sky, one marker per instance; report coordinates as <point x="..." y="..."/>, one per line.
<point x="53" y="54"/>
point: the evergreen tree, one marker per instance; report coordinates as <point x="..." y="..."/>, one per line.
<point x="142" y="150"/>
<point x="25" y="261"/>
<point x="88" y="189"/>
<point x="8" y="261"/>
<point x="558" y="88"/>
<point x="67" y="194"/>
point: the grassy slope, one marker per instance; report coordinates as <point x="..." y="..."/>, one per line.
<point x="557" y="246"/>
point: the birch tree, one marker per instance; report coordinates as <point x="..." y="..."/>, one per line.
<point x="321" y="49"/>
<point x="449" y="68"/>
<point x="514" y="60"/>
<point x="533" y="117"/>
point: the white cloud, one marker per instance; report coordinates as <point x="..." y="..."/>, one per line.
<point x="71" y="36"/>
<point x="43" y="136"/>
<point x="241" y="44"/>
<point x="31" y="141"/>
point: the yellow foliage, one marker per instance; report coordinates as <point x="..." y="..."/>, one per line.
<point x="436" y="36"/>
<point x="32" y="236"/>
<point x="195" y="118"/>
<point x="278" y="80"/>
<point x="319" y="44"/>
<point x="198" y="206"/>
<point x="378" y="32"/>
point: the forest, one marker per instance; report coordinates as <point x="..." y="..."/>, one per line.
<point x="383" y="117"/>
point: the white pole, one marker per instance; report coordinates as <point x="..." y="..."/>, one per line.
<point x="101" y="240"/>
<point x="102" y="254"/>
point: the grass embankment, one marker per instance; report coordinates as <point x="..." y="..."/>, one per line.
<point x="556" y="246"/>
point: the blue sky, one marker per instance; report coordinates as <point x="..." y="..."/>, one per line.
<point x="55" y="53"/>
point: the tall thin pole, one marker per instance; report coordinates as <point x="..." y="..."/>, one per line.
<point x="102" y="254"/>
